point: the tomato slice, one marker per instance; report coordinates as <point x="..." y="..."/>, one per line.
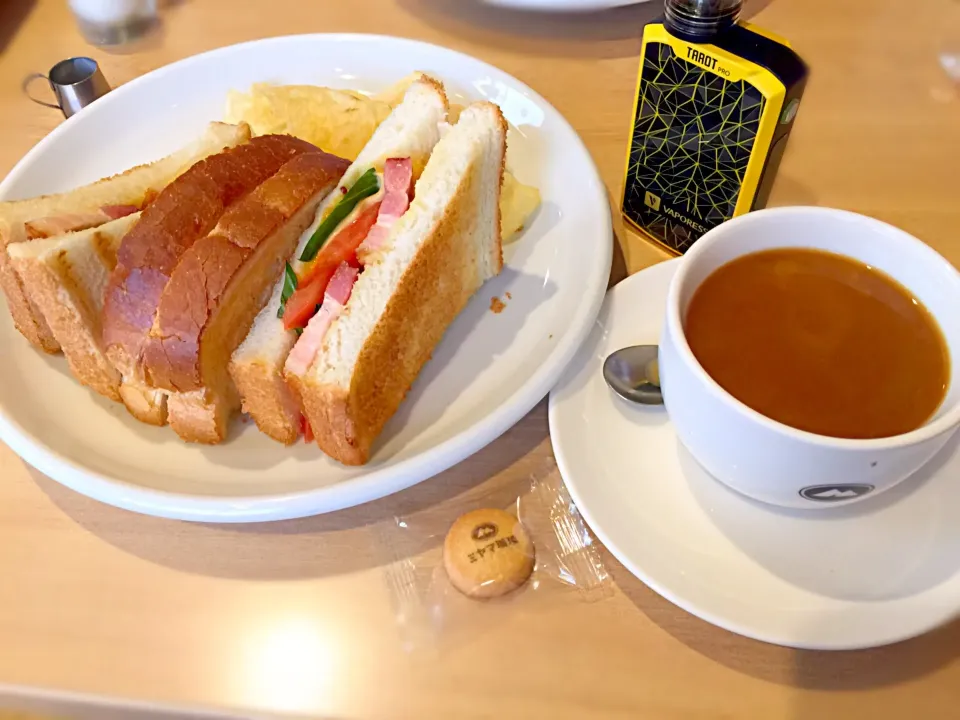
<point x="342" y="247"/>
<point x="303" y="303"/>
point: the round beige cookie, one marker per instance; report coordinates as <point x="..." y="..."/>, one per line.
<point x="487" y="553"/>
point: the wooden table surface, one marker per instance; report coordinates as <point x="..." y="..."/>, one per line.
<point x="296" y="617"/>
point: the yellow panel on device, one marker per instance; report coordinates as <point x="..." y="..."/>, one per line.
<point x="715" y="105"/>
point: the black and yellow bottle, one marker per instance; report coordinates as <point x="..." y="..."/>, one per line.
<point x="716" y="100"/>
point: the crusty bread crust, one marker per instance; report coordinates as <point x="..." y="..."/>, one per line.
<point x="146" y="404"/>
<point x="67" y="315"/>
<point x="127" y="188"/>
<point x="27" y="317"/>
<point x="435" y="287"/>
<point x="345" y="422"/>
<point x="201" y="414"/>
<point x="268" y="399"/>
<point x="66" y="275"/>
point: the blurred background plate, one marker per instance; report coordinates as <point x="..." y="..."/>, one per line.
<point x="563" y="5"/>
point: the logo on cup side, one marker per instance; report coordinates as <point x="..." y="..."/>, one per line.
<point x="835" y="493"/>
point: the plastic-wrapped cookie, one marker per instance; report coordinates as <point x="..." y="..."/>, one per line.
<point x="487" y="553"/>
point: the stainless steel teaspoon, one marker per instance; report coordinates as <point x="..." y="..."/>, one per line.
<point x="634" y="374"/>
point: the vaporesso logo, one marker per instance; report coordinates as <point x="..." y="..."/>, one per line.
<point x="670" y="212"/>
<point x="835" y="493"/>
<point x="655" y="203"/>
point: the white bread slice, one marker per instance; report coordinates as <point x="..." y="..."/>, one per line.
<point x="411" y="130"/>
<point x="128" y="188"/>
<point x="66" y="275"/>
<point x="439" y="253"/>
<point x="202" y="415"/>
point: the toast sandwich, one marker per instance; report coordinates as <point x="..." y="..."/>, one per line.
<point x="196" y="268"/>
<point x="361" y="316"/>
<point x="437" y="255"/>
<point x="410" y="131"/>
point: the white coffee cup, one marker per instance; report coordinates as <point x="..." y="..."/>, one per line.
<point x="765" y="459"/>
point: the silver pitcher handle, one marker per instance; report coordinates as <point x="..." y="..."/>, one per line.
<point x="25" y="87"/>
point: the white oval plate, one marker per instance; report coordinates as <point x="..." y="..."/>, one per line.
<point x="487" y="373"/>
<point x="869" y="574"/>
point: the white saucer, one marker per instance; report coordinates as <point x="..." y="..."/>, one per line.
<point x="870" y="574"/>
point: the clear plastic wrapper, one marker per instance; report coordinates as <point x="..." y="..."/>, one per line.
<point x="431" y="611"/>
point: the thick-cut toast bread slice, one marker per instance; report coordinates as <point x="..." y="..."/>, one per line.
<point x="66" y="276"/>
<point x="411" y="130"/>
<point x="24" y="220"/>
<point x="185" y="211"/>
<point x="219" y="286"/>
<point x="439" y="253"/>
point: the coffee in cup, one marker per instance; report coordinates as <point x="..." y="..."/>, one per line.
<point x="761" y="440"/>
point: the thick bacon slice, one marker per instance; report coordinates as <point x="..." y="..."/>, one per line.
<point x="74" y="222"/>
<point x="341" y="284"/>
<point x="59" y="224"/>
<point x="397" y="187"/>
<point x="336" y="296"/>
<point x="115" y="212"/>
